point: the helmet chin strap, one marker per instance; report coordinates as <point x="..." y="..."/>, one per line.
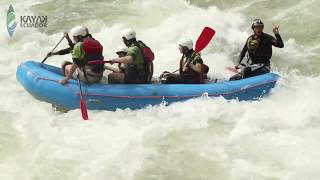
<point x="129" y="42"/>
<point x="185" y="50"/>
<point x="78" y="39"/>
<point x="188" y="51"/>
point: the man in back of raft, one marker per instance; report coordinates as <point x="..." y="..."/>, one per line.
<point x="259" y="48"/>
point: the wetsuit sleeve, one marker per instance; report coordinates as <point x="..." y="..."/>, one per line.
<point x="243" y="53"/>
<point x="71" y="44"/>
<point x="277" y="42"/>
<point x="64" y="51"/>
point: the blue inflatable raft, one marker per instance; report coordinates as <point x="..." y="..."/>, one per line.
<point x="41" y="80"/>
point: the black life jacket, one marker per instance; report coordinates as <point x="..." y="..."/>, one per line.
<point x="190" y="73"/>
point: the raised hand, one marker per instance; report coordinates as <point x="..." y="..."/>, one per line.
<point x="275" y="29"/>
<point x="66" y="35"/>
<point x="63" y="81"/>
<point x="49" y="54"/>
<point x="112" y="61"/>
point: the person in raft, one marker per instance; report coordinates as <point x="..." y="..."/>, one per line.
<point x="70" y="43"/>
<point x="85" y="49"/>
<point x="259" y="49"/>
<point x="192" y="70"/>
<point x="138" y="61"/>
<point x="121" y="52"/>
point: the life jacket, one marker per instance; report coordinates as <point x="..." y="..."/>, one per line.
<point x="204" y="72"/>
<point x="256" y="50"/>
<point x="144" y="69"/>
<point x="93" y="52"/>
<point x="146" y="51"/>
<point x="253" y="43"/>
<point x="190" y="73"/>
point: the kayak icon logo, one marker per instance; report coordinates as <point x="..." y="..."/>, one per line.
<point x="11" y="21"/>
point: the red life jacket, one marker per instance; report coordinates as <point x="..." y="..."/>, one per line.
<point x="92" y="46"/>
<point x="146" y="51"/>
<point x="93" y="52"/>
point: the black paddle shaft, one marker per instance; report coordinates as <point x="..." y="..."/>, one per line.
<point x="52" y="50"/>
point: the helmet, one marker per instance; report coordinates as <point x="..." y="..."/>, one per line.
<point x="129" y="34"/>
<point x="122" y="49"/>
<point x="186" y="43"/>
<point x="257" y="23"/>
<point x="78" y="31"/>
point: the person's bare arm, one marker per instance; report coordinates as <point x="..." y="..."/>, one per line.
<point x="124" y="60"/>
<point x="69" y="75"/>
<point x="117" y="70"/>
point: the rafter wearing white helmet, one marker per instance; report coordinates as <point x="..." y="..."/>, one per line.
<point x="188" y="43"/>
<point x="129" y="34"/>
<point x="78" y="31"/>
<point x="122" y="49"/>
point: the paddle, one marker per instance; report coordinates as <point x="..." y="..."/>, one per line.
<point x="83" y="107"/>
<point x="98" y="62"/>
<point x="202" y="42"/>
<point x="52" y="50"/>
<point x="204" y="39"/>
